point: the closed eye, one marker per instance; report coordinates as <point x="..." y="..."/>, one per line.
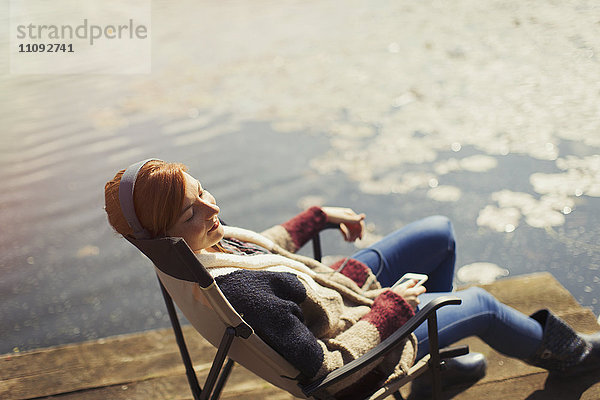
<point x="190" y="218"/>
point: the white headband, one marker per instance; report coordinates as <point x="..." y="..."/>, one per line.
<point x="126" y="187"/>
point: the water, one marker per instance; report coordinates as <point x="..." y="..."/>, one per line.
<point x="400" y="111"/>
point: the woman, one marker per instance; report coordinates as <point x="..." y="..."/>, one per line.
<point x="320" y="318"/>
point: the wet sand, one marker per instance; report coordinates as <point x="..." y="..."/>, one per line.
<point x="486" y="113"/>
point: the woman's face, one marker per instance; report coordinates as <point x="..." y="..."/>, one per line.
<point x="198" y="223"/>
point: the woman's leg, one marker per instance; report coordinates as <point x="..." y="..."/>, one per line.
<point x="480" y="314"/>
<point x="425" y="246"/>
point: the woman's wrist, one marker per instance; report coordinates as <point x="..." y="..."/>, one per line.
<point x="305" y="225"/>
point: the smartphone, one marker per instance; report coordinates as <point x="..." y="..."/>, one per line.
<point x="420" y="278"/>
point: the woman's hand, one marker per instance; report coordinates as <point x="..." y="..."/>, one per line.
<point x="351" y="224"/>
<point x="410" y="292"/>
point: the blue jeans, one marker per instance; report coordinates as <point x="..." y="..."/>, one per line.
<point x="427" y="246"/>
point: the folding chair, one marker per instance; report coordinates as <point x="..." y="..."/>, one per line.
<point x="217" y="321"/>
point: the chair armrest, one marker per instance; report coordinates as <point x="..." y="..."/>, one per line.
<point x="316" y="241"/>
<point x="382" y="349"/>
<point x="330" y="225"/>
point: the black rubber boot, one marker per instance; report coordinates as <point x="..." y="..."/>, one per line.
<point x="563" y="351"/>
<point x="461" y="370"/>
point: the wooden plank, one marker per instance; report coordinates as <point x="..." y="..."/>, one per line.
<point x="104" y="362"/>
<point x="533" y="387"/>
<point x="147" y="365"/>
<point x="128" y="347"/>
<point x="242" y="384"/>
<point x="529" y="293"/>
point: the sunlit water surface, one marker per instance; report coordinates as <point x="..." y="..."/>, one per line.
<point x="484" y="112"/>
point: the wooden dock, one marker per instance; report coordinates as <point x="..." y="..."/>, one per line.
<point x="147" y="365"/>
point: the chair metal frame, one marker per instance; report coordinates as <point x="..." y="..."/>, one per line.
<point x="220" y="370"/>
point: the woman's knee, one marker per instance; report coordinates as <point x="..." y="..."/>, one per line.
<point x="481" y="298"/>
<point x="441" y="226"/>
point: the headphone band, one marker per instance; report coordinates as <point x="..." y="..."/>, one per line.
<point x="126" y="187"/>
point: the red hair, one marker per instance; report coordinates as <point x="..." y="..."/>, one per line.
<point x="157" y="198"/>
